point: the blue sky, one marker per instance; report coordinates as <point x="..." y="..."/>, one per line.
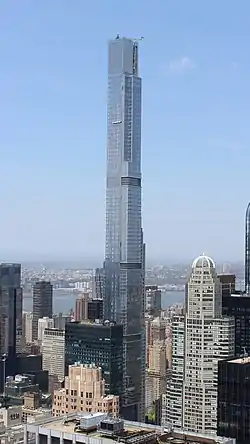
<point x="195" y="64"/>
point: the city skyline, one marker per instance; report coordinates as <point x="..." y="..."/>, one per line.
<point x="53" y="126"/>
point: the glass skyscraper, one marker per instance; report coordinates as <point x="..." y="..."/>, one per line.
<point x="124" y="251"/>
<point x="11" y="300"/>
<point x="247" y="250"/>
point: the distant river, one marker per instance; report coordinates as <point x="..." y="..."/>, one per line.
<point x="65" y="300"/>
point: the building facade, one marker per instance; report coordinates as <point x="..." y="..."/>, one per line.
<point x="27" y="327"/>
<point x="53" y="353"/>
<point x="234" y="399"/>
<point x="11" y="303"/>
<point x="153" y="300"/>
<point x="95" y="309"/>
<point x="172" y="405"/>
<point x="44" y="323"/>
<point x="209" y="337"/>
<point x="227" y="284"/>
<point x="81" y="307"/>
<point x="238" y="306"/>
<point x="100" y="344"/>
<point x="87" y="307"/>
<point x="157" y="370"/>
<point x="124" y="262"/>
<point x="247" y="250"/>
<point x="42" y="294"/>
<point x="84" y="391"/>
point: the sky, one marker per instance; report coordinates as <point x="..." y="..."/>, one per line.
<point x="195" y="66"/>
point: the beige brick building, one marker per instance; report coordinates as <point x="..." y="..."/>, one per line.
<point x="156" y="373"/>
<point x="84" y="391"/>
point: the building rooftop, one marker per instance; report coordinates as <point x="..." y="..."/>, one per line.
<point x="203" y="262"/>
<point x="133" y="432"/>
<point x="243" y="360"/>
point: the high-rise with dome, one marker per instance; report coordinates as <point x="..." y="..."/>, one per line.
<point x="208" y="337"/>
<point x="124" y="252"/>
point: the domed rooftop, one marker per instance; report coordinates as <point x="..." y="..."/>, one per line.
<point x="203" y="262"/>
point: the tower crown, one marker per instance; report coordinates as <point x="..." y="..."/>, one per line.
<point x="203" y="262"/>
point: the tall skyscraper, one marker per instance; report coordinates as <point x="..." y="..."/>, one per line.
<point x="11" y="301"/>
<point x="124" y="262"/>
<point x="208" y="338"/>
<point x="42" y="304"/>
<point x="247" y="250"/>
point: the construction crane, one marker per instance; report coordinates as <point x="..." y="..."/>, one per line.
<point x="135" y="39"/>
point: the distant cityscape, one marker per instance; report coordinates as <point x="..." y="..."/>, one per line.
<point x="125" y="353"/>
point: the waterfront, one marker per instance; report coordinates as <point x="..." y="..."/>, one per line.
<point x="63" y="301"/>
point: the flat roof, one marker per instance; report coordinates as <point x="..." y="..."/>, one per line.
<point x="67" y="425"/>
<point x="243" y="360"/>
<point x="133" y="432"/>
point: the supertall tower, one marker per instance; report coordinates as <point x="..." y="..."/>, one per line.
<point x="247" y="250"/>
<point x="124" y="251"/>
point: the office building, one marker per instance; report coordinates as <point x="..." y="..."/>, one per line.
<point x="157" y="371"/>
<point x="234" y="399"/>
<point x="44" y="323"/>
<point x="18" y="385"/>
<point x="53" y="353"/>
<point x="227" y="284"/>
<point x="95" y="309"/>
<point x="247" y="250"/>
<point x="27" y="327"/>
<point x="60" y="320"/>
<point x="238" y="306"/>
<point x="81" y="307"/>
<point x="11" y="302"/>
<point x="99" y="283"/>
<point x="100" y="344"/>
<point x="93" y="428"/>
<point x="172" y="405"/>
<point x="42" y="304"/>
<point x="208" y="338"/>
<point x="153" y="300"/>
<point x="88" y="308"/>
<point x="158" y="330"/>
<point x="84" y="391"/>
<point x="124" y="250"/>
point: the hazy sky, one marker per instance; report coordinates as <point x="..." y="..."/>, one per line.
<point x="195" y="64"/>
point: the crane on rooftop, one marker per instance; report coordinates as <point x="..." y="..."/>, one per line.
<point x="135" y="39"/>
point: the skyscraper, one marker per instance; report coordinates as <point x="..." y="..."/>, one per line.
<point x="100" y="344"/>
<point x="208" y="338"/>
<point x="42" y="304"/>
<point x="247" y="250"/>
<point x="10" y="307"/>
<point x="124" y="262"/>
